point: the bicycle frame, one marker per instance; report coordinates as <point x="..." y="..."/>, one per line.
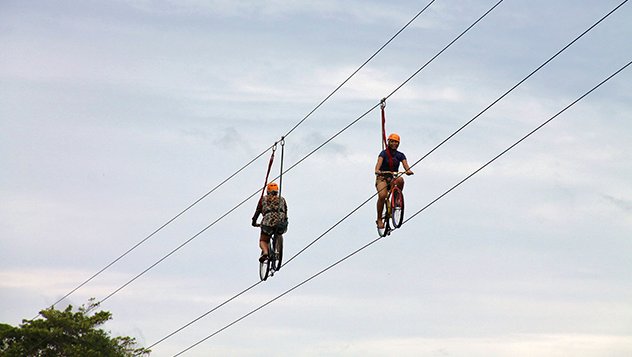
<point x="394" y="197"/>
<point x="275" y="255"/>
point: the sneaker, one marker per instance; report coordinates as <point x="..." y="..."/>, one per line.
<point x="263" y="258"/>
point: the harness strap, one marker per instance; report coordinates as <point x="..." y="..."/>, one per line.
<point x="265" y="183"/>
<point x="282" y="141"/>
<point x="389" y="155"/>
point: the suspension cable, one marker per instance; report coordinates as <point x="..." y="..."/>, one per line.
<point x="243" y="167"/>
<point x="522" y="81"/>
<point x="410" y="218"/>
<point x="156" y="231"/>
<point x="423" y="157"/>
<point x="519" y="141"/>
<point x="362" y="66"/>
<point x="302" y="159"/>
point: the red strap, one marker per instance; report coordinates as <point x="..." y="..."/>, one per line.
<point x="391" y="165"/>
<point x="265" y="183"/>
<point x="382" y="106"/>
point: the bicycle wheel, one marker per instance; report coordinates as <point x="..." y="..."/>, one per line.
<point x="397" y="204"/>
<point x="264" y="267"/>
<point x="278" y="253"/>
<point x="383" y="232"/>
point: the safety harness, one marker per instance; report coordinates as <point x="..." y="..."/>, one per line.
<point x="389" y="155"/>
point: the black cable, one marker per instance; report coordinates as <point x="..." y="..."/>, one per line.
<point x="205" y="314"/>
<point x="246" y="165"/>
<point x="393" y="92"/>
<point x="237" y="172"/>
<point x="445" y="48"/>
<point x="156" y="231"/>
<point x="362" y="66"/>
<point x="410" y="218"/>
<point x="519" y="141"/>
<point x="431" y="151"/>
<point x="301" y="160"/>
<point x="279" y="296"/>
<point x="522" y="81"/>
<point x="312" y="152"/>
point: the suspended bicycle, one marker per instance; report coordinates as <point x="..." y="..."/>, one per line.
<point x="272" y="264"/>
<point x="393" y="205"/>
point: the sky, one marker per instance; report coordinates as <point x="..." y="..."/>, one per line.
<point x="116" y="116"/>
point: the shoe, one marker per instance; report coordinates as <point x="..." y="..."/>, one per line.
<point x="378" y="224"/>
<point x="263" y="258"/>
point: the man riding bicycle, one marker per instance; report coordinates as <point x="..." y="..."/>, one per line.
<point x="387" y="162"/>
<point x="274" y="210"/>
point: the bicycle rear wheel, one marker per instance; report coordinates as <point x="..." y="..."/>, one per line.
<point x="264" y="267"/>
<point x="383" y="232"/>
<point x="397" y="207"/>
<point x="278" y="253"/>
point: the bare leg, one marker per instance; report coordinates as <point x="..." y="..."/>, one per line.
<point x="381" y="198"/>
<point x="263" y="243"/>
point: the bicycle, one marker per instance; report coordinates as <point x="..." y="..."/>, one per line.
<point x="272" y="264"/>
<point x="394" y="204"/>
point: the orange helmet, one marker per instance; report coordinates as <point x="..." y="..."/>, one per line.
<point x="393" y="137"/>
<point x="272" y="186"/>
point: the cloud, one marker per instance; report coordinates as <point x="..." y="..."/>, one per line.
<point x="623" y="204"/>
<point x="519" y="345"/>
<point x="356" y="11"/>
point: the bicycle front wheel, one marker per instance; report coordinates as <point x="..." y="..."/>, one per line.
<point x="383" y="232"/>
<point x="278" y="253"/>
<point x="264" y="269"/>
<point x="397" y="207"/>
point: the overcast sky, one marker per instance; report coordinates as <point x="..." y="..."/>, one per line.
<point x="117" y="115"/>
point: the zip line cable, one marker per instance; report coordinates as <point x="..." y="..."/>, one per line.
<point x="414" y="164"/>
<point x="156" y="231"/>
<point x="410" y="218"/>
<point x="247" y="164"/>
<point x="260" y="281"/>
<point x="519" y="141"/>
<point x="362" y="66"/>
<point x="471" y="120"/>
<point x="302" y="159"/>
<point x="206" y="314"/>
<point x="258" y="156"/>
<point x="522" y="81"/>
<point x="445" y="48"/>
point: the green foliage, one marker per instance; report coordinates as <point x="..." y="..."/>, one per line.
<point x="66" y="333"/>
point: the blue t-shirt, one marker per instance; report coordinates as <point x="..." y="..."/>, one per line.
<point x="397" y="158"/>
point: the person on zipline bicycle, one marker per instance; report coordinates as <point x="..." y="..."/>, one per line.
<point x="388" y="161"/>
<point x="274" y="210"/>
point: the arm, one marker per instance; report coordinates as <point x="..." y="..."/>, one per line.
<point x="379" y="164"/>
<point x="257" y="213"/>
<point x="405" y="164"/>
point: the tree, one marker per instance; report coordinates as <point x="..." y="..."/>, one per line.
<point x="67" y="333"/>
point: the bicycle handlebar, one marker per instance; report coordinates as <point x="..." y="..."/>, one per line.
<point x="394" y="173"/>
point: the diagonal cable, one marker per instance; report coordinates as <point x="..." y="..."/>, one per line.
<point x="434" y="149"/>
<point x="247" y="164"/>
<point x="156" y="231"/>
<point x="362" y="66"/>
<point x="302" y="159"/>
<point x="413" y="216"/>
